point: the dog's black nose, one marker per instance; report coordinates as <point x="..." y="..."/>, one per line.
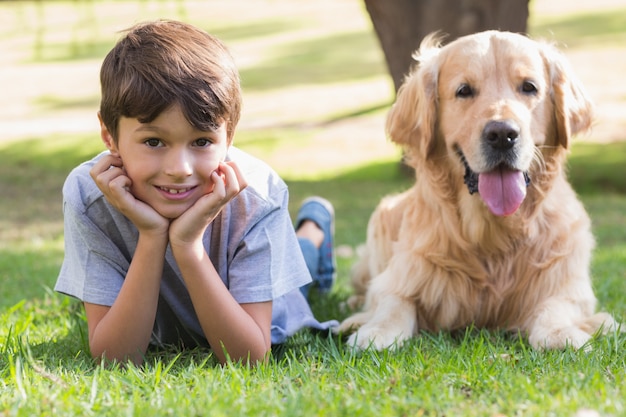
<point x="501" y="134"/>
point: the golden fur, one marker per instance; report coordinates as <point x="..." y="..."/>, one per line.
<point x="436" y="257"/>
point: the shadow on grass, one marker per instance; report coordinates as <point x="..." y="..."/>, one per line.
<point x="32" y="172"/>
<point x="354" y="195"/>
<point x="341" y="57"/>
<point x="598" y="168"/>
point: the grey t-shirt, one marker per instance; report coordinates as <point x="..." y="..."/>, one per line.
<point x="251" y="243"/>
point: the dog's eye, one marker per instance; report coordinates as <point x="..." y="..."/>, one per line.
<point x="529" y="87"/>
<point x="464" y="91"/>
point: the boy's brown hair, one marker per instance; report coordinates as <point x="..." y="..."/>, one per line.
<point x="158" y="64"/>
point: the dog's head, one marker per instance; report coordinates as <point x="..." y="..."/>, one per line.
<point x="493" y="105"/>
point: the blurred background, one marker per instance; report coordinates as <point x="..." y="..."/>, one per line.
<point x="302" y="62"/>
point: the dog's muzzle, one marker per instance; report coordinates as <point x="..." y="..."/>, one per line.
<point x="502" y="189"/>
<point x="502" y="185"/>
<point x="499" y="140"/>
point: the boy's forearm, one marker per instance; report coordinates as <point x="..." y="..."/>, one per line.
<point x="228" y="326"/>
<point x="124" y="332"/>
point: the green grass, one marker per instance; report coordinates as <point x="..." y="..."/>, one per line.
<point x="474" y="373"/>
<point x="45" y="367"/>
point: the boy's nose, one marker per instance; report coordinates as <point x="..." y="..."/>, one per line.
<point x="179" y="164"/>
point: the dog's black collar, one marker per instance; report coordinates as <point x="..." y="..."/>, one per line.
<point x="470" y="178"/>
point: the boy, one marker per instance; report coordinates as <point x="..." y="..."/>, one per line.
<point x="173" y="236"/>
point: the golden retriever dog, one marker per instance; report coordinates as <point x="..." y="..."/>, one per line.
<point x="491" y="234"/>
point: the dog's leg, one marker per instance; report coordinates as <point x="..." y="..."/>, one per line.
<point x="393" y="322"/>
<point x="360" y="277"/>
<point x="388" y="320"/>
<point x="561" y="323"/>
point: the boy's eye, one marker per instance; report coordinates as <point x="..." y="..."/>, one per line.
<point x="152" y="142"/>
<point x="202" y="142"/>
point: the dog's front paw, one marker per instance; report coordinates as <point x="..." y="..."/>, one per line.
<point x="576" y="335"/>
<point x="352" y="323"/>
<point x="560" y="339"/>
<point x="377" y="337"/>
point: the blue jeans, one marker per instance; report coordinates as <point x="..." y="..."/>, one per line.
<point x="312" y="258"/>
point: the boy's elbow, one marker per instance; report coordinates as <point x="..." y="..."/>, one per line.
<point x="101" y="356"/>
<point x="250" y="358"/>
<point x="262" y="356"/>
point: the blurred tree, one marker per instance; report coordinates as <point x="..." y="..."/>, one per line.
<point x="401" y="24"/>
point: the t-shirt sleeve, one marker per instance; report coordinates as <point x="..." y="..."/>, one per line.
<point x="93" y="268"/>
<point x="268" y="263"/>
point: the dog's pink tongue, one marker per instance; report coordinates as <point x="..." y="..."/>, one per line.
<point x="502" y="190"/>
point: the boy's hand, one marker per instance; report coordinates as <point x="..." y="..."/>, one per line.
<point x="110" y="177"/>
<point x="188" y="229"/>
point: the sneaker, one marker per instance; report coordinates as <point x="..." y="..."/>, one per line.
<point x="320" y="211"/>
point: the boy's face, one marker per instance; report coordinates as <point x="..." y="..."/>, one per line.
<point x="168" y="161"/>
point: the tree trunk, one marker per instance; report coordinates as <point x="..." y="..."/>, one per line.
<point x="401" y="24"/>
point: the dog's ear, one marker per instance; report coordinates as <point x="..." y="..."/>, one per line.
<point x="411" y="120"/>
<point x="573" y="110"/>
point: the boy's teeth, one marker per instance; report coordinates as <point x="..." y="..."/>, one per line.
<point x="173" y="191"/>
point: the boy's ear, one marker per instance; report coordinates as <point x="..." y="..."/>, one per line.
<point x="107" y="139"/>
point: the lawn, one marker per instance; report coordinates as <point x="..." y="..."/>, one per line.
<point x="315" y="101"/>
